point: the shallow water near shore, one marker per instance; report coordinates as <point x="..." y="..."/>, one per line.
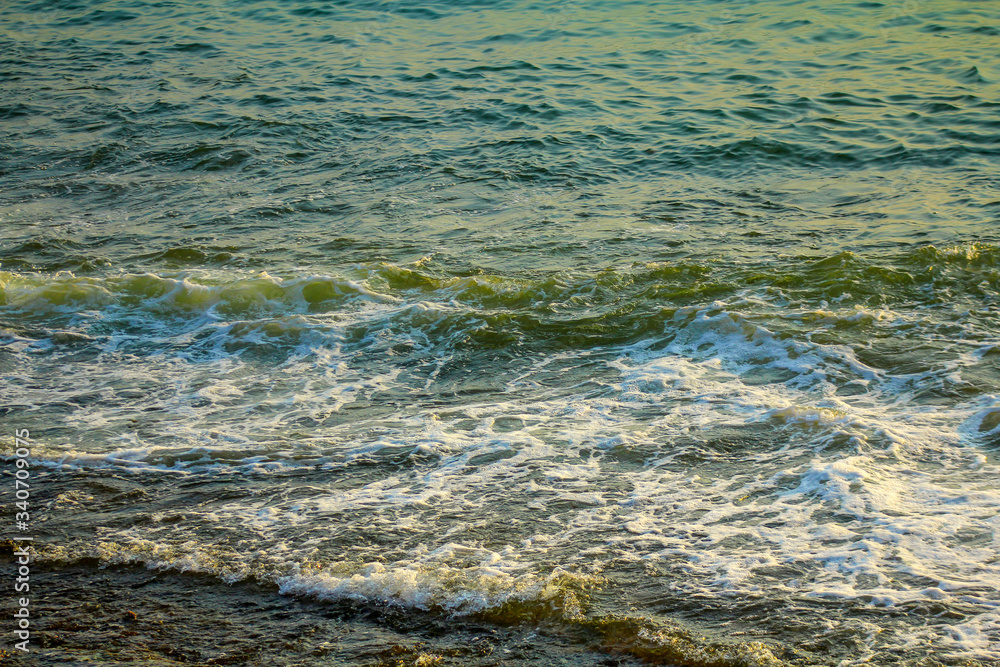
<point x="511" y="332"/>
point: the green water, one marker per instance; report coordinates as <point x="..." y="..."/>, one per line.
<point x="644" y="331"/>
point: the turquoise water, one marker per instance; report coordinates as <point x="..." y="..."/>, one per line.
<point x="669" y="330"/>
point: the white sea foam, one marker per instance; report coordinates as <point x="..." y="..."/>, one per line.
<point x="866" y="496"/>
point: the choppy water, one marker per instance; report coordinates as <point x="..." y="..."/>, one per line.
<point x="668" y="328"/>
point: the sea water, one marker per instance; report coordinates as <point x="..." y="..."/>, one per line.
<point x="671" y="328"/>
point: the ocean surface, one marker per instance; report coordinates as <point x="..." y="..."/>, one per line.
<point x="505" y="332"/>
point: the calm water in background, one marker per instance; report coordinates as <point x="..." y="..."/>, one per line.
<point x="654" y="324"/>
